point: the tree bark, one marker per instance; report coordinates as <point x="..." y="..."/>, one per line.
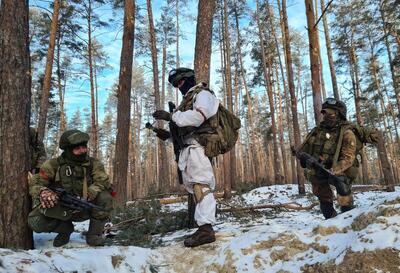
<point x="293" y="99"/>
<point x="314" y="60"/>
<point x="329" y="51"/>
<point x="162" y="153"/>
<point x="15" y="100"/>
<point x="231" y="164"/>
<point x="252" y="132"/>
<point x="202" y="55"/>
<point x="44" y="100"/>
<point x="395" y="80"/>
<point x="94" y="137"/>
<point x="177" y="46"/>
<point x="124" y="103"/>
<point x="357" y="102"/>
<point x="267" y="69"/>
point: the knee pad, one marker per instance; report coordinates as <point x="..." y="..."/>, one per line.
<point x="199" y="191"/>
<point x="345" y="200"/>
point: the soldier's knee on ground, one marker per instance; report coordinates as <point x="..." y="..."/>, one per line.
<point x="105" y="200"/>
<point x="40" y="223"/>
<point x="200" y="190"/>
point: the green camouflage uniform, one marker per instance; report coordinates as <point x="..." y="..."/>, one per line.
<point x="322" y="143"/>
<point x="38" y="153"/>
<point x="72" y="176"/>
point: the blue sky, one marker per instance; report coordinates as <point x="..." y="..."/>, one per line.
<point x="111" y="41"/>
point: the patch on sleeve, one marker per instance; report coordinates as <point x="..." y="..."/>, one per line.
<point x="43" y="174"/>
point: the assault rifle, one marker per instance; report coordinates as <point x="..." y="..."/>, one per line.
<point x="341" y="183"/>
<point x="72" y="202"/>
<point x="177" y="140"/>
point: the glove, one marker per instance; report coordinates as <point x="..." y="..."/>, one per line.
<point x="162" y="114"/>
<point x="47" y="198"/>
<point x="162" y="134"/>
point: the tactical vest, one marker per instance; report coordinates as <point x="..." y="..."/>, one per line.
<point x="75" y="178"/>
<point x="219" y="133"/>
<point x="325" y="145"/>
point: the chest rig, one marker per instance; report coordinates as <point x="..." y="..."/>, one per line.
<point x="75" y="178"/>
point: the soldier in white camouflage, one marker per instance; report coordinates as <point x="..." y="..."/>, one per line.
<point x="199" y="104"/>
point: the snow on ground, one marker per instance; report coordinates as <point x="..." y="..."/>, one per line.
<point x="366" y="238"/>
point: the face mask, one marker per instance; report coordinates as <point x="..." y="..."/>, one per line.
<point x="189" y="83"/>
<point x="330" y="118"/>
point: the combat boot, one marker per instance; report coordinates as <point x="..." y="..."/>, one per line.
<point x="327" y="209"/>
<point x="94" y="236"/>
<point x="204" y="235"/>
<point x="346" y="208"/>
<point x="64" y="231"/>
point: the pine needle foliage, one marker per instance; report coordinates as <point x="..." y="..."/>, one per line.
<point x="150" y="219"/>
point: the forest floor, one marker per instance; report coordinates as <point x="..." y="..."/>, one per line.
<point x="365" y="239"/>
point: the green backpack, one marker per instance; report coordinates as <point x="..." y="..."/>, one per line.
<point x="364" y="135"/>
<point x="224" y="134"/>
<point x="220" y="132"/>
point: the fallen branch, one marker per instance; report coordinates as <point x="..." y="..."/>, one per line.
<point x="121" y="224"/>
<point x="292" y="205"/>
<point x="363" y="188"/>
<point x="181" y="199"/>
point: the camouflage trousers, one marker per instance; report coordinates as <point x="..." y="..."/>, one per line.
<point x="324" y="192"/>
<point x="48" y="220"/>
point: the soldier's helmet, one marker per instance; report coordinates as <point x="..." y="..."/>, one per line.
<point x="72" y="138"/>
<point x="175" y="75"/>
<point x="338" y="105"/>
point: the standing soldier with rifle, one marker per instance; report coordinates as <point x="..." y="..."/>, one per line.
<point x="71" y="187"/>
<point x="192" y="116"/>
<point x="329" y="156"/>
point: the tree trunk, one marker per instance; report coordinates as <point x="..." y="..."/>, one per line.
<point x="314" y="60"/>
<point x="357" y="101"/>
<point x="321" y="70"/>
<point x="44" y="100"/>
<point x="202" y="55"/>
<point x="177" y="46"/>
<point x="94" y="138"/>
<point x="293" y="99"/>
<point x="252" y="132"/>
<point x="124" y="103"/>
<point x="395" y="80"/>
<point x="329" y="51"/>
<point x="267" y="67"/>
<point x="162" y="152"/>
<point x="15" y="98"/>
<point x="231" y="159"/>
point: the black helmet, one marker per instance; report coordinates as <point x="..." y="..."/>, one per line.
<point x="73" y="138"/>
<point x="175" y="75"/>
<point x="338" y="105"/>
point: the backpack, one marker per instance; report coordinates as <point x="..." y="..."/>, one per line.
<point x="364" y="135"/>
<point x="219" y="133"/>
<point x="224" y="135"/>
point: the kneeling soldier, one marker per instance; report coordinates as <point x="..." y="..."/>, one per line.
<point x="80" y="175"/>
<point x="333" y="144"/>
